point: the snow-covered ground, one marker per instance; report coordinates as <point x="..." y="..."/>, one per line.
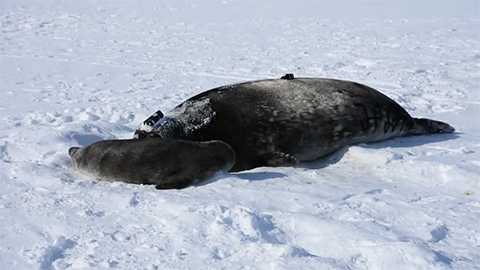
<point x="75" y="72"/>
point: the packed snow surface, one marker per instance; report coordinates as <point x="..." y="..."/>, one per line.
<point x="76" y="72"/>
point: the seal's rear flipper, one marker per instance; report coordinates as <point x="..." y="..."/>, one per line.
<point x="277" y="159"/>
<point x="429" y="126"/>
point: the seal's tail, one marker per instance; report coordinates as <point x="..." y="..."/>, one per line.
<point x="429" y="126"/>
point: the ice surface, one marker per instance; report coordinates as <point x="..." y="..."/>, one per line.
<point x="76" y="72"/>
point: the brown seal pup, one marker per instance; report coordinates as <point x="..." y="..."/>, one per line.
<point x="279" y="122"/>
<point x="166" y="163"/>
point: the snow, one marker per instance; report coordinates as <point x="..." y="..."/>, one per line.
<point x="75" y="72"/>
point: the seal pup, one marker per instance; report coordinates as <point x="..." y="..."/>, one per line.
<point x="279" y="122"/>
<point x="166" y="163"/>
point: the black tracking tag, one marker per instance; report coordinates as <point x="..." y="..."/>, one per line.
<point x="154" y="118"/>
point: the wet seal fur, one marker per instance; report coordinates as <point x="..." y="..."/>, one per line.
<point x="166" y="163"/>
<point x="279" y="122"/>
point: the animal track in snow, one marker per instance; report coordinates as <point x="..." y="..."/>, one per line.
<point x="53" y="255"/>
<point x="249" y="226"/>
<point x="439" y="233"/>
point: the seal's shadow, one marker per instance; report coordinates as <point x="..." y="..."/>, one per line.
<point x="400" y="142"/>
<point x="324" y="161"/>
<point x="258" y="176"/>
<point x="250" y="176"/>
<point x="412" y="141"/>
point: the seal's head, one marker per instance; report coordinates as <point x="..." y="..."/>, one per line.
<point x="166" y="127"/>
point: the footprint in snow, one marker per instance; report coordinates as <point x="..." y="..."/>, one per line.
<point x="54" y="254"/>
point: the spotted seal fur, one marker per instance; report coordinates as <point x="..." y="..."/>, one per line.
<point x="279" y="122"/>
<point x="166" y="163"/>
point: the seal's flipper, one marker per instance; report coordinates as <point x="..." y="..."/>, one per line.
<point x="177" y="180"/>
<point x="429" y="126"/>
<point x="174" y="183"/>
<point x="277" y="159"/>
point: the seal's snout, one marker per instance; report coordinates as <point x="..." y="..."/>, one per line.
<point x="72" y="151"/>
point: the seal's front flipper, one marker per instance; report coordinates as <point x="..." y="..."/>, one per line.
<point x="180" y="179"/>
<point x="429" y="126"/>
<point x="278" y="159"/>
<point x="175" y="183"/>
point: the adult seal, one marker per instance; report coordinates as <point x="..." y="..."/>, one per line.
<point x="279" y="122"/>
<point x="165" y="163"/>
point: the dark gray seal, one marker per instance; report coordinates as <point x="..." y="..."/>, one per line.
<point x="279" y="122"/>
<point x="166" y="163"/>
